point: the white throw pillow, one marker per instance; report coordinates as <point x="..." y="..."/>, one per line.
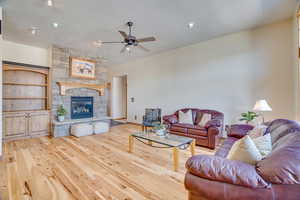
<point x="186" y="118"/>
<point x="263" y="144"/>
<point x="245" y="150"/>
<point x="204" y="119"/>
<point x="257" y="131"/>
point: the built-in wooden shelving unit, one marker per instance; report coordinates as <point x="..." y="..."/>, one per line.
<point x="26" y="100"/>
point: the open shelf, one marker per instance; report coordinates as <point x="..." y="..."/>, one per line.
<point x="25" y="88"/>
<point x="34" y="110"/>
<point x="26" y="84"/>
<point x="21" y="98"/>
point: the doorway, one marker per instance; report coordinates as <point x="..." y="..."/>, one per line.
<point x="119" y="98"/>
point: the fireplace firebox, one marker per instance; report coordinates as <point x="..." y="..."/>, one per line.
<point x="81" y="107"/>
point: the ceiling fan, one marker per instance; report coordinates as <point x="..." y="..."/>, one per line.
<point x="131" y="41"/>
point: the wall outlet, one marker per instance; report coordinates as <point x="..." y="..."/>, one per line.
<point x="135" y="117"/>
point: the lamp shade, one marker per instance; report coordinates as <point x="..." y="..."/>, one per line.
<point x="262" y="105"/>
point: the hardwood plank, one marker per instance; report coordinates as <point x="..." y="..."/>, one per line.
<point x="92" y="167"/>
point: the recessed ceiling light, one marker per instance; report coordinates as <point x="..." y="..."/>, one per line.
<point x="50" y="3"/>
<point x="97" y="43"/>
<point x="128" y="48"/>
<point x="33" y="30"/>
<point x="191" y="25"/>
<point x="55" y="25"/>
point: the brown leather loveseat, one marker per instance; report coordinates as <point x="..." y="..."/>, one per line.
<point x="205" y="136"/>
<point x="276" y="177"/>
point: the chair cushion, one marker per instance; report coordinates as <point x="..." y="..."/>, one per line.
<point x="151" y="124"/>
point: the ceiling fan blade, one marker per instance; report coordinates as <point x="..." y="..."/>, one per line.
<point x="124" y="35"/>
<point x="147" y="39"/>
<point x="143" y="48"/>
<point x="123" y="49"/>
<point x="112" y="42"/>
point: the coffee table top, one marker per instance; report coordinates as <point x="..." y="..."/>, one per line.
<point x="170" y="140"/>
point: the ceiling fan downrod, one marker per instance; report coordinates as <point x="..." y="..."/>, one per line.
<point x="129" y="24"/>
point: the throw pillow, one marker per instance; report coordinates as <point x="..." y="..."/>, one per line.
<point x="263" y="144"/>
<point x="185" y="118"/>
<point x="198" y="118"/>
<point x="257" y="131"/>
<point x="205" y="118"/>
<point x="245" y="150"/>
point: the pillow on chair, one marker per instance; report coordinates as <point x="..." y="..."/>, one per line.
<point x="185" y="118"/>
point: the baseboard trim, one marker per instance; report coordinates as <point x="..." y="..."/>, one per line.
<point x="133" y="123"/>
<point x="119" y="118"/>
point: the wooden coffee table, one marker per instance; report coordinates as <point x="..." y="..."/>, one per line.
<point x="175" y="142"/>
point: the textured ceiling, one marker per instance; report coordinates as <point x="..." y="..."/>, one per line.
<point x="84" y="21"/>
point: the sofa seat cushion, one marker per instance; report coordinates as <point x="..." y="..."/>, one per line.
<point x="226" y="146"/>
<point x="197" y="130"/>
<point x="179" y="127"/>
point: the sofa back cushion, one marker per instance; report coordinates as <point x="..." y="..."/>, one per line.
<point x="282" y="165"/>
<point x="185" y="117"/>
<point x="214" y="114"/>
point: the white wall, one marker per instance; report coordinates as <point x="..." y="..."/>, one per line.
<point x="118" y="92"/>
<point x="21" y="53"/>
<point x="227" y="74"/>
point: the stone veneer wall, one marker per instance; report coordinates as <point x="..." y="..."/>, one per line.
<point x="61" y="72"/>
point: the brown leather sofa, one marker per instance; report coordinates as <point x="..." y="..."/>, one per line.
<point x="276" y="177"/>
<point x="206" y="136"/>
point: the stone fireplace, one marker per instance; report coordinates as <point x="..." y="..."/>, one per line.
<point x="76" y="112"/>
<point x="82" y="107"/>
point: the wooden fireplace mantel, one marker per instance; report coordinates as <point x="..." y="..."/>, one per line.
<point x="64" y="86"/>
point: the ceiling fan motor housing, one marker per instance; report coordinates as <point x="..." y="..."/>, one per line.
<point x="130" y="40"/>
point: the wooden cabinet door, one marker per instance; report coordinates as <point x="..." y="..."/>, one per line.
<point x="15" y="125"/>
<point x="39" y="123"/>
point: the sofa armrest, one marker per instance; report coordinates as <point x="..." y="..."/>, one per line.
<point x="170" y="119"/>
<point x="238" y="130"/>
<point x="214" y="122"/>
<point x="224" y="170"/>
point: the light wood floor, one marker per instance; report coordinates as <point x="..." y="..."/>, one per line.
<point x="90" y="168"/>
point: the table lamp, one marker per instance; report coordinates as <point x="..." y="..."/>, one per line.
<point x="262" y="106"/>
